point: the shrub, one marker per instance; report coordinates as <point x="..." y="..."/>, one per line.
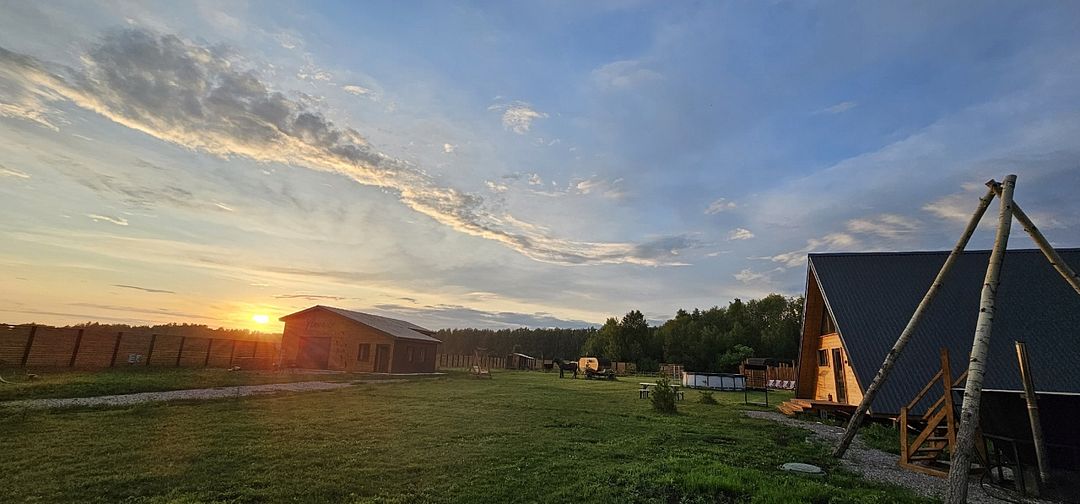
<point x="663" y="396"/>
<point x="706" y="398"/>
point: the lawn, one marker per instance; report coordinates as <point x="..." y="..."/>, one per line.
<point x="521" y="437"/>
<point x="65" y="383"/>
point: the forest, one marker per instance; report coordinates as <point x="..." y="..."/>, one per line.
<point x="716" y="339"/>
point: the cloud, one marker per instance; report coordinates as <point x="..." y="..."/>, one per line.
<point x="534" y="179"/>
<point x="718" y="206"/>
<point x="457" y="316"/>
<point x="119" y="221"/>
<point x="518" y="116"/>
<point x="740" y="234"/>
<point x="596" y="185"/>
<point x="360" y="91"/>
<point x="151" y="311"/>
<point x="496" y="187"/>
<point x="200" y="98"/>
<point x="830" y="242"/>
<point x="309" y="297"/>
<point x="8" y="172"/>
<point x="144" y="289"/>
<point x="623" y="75"/>
<point x="891" y="226"/>
<point x="449" y="148"/>
<point x="839" y="108"/>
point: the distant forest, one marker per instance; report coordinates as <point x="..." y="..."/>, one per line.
<point x="716" y="339"/>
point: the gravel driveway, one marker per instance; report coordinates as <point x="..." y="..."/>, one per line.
<point x="177" y="395"/>
<point x="877" y="465"/>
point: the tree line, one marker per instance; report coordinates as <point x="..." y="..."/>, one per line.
<point x="712" y="340"/>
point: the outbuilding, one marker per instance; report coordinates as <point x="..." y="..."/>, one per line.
<point x="324" y="337"/>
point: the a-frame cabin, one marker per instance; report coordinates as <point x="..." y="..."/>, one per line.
<point x="858" y="303"/>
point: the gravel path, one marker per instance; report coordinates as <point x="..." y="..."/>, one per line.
<point x="874" y="464"/>
<point x="177" y="395"/>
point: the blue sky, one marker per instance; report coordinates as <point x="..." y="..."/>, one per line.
<point x="507" y="163"/>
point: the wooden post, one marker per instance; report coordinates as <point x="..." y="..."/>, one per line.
<point x="29" y="345"/>
<point x="969" y="411"/>
<point x="232" y="353"/>
<point x="116" y="348"/>
<point x="150" y="352"/>
<point x="75" y="352"/>
<point x="209" y="345"/>
<point x="1055" y="259"/>
<point x="1033" y="411"/>
<point x="180" y="353"/>
<point x="909" y="329"/>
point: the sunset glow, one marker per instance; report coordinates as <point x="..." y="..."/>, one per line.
<point x="260" y="319"/>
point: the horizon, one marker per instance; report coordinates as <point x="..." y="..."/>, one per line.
<point x="491" y="165"/>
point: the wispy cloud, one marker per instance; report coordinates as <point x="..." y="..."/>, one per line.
<point x="624" y="74"/>
<point x="518" y="116"/>
<point x="360" y="91"/>
<point x="144" y="289"/>
<point x="740" y="234"/>
<point x="839" y="108"/>
<point x="309" y="297"/>
<point x="449" y="148"/>
<point x="891" y="226"/>
<point x="119" y="221"/>
<point x="197" y="97"/>
<point x="720" y="205"/>
<point x="829" y="242"/>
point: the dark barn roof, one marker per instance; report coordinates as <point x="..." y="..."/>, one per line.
<point x="873" y="295"/>
<point x="391" y="327"/>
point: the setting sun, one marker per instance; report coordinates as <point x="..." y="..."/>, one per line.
<point x="260" y="319"/>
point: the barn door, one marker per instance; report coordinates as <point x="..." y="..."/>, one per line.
<point x="314" y="353"/>
<point x="838" y="375"/>
<point x="382" y="358"/>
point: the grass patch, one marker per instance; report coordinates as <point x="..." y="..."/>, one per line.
<point x="61" y="384"/>
<point x="521" y="437"/>
<point x="881" y="437"/>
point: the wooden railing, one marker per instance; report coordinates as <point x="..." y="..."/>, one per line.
<point x="938" y="432"/>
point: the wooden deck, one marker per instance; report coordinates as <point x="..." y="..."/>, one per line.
<point x="797" y="406"/>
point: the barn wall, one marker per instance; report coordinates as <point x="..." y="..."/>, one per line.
<point x="345" y="335"/>
<point x="401" y="362"/>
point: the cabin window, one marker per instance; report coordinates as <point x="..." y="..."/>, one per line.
<point x="827" y="326"/>
<point x="421" y="355"/>
<point x="364" y="352"/>
<point x="823" y="357"/>
<point x="409" y="352"/>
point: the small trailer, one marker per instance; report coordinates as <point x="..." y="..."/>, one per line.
<point x="596" y="368"/>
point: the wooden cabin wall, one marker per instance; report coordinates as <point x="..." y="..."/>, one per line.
<point x="812" y="311"/>
<point x="825" y="381"/>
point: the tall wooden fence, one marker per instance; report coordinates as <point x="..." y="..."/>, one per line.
<point x="91" y="347"/>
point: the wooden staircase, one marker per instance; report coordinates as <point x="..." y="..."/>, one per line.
<point x="936" y="429"/>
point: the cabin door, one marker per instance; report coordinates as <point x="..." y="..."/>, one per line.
<point x="382" y="358"/>
<point x="314" y="353"/>
<point x="838" y="375"/>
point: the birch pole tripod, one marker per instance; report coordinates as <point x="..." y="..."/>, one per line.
<point x="960" y="467"/>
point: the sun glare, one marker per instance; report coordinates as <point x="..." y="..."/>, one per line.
<point x="260" y="319"/>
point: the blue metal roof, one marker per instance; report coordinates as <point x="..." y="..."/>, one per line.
<point x="873" y="295"/>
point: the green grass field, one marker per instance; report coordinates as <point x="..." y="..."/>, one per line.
<point x="521" y="437"/>
<point x="64" y="383"/>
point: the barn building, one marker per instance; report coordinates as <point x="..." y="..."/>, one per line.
<point x="857" y="304"/>
<point x="324" y="337"/>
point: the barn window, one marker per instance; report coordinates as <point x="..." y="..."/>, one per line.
<point x="421" y="355"/>
<point x="827" y="325"/>
<point x="364" y="353"/>
<point x="823" y="357"/>
<point x="409" y="352"/>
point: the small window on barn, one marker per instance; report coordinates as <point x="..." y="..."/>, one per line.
<point x="823" y="357"/>
<point x="364" y="353"/>
<point x="421" y="355"/>
<point x="409" y="352"/>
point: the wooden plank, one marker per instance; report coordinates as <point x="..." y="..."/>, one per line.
<point x="75" y="352"/>
<point x="116" y="348"/>
<point x="918" y="397"/>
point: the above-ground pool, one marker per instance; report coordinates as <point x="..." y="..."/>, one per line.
<point x="717" y="381"/>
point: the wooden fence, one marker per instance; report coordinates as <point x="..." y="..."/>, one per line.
<point x="782" y="372"/>
<point x="89" y="348"/>
<point x="449" y="361"/>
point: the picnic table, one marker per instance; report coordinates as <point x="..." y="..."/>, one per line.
<point x="643" y="392"/>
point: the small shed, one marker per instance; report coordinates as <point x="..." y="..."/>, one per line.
<point x="520" y="361"/>
<point x="324" y="337"/>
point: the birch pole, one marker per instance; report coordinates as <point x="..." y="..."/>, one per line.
<point x="969" y="411"/>
<point x="905" y="335"/>
<point x="1052" y="255"/>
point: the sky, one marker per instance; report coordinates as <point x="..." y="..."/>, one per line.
<point x="505" y="164"/>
